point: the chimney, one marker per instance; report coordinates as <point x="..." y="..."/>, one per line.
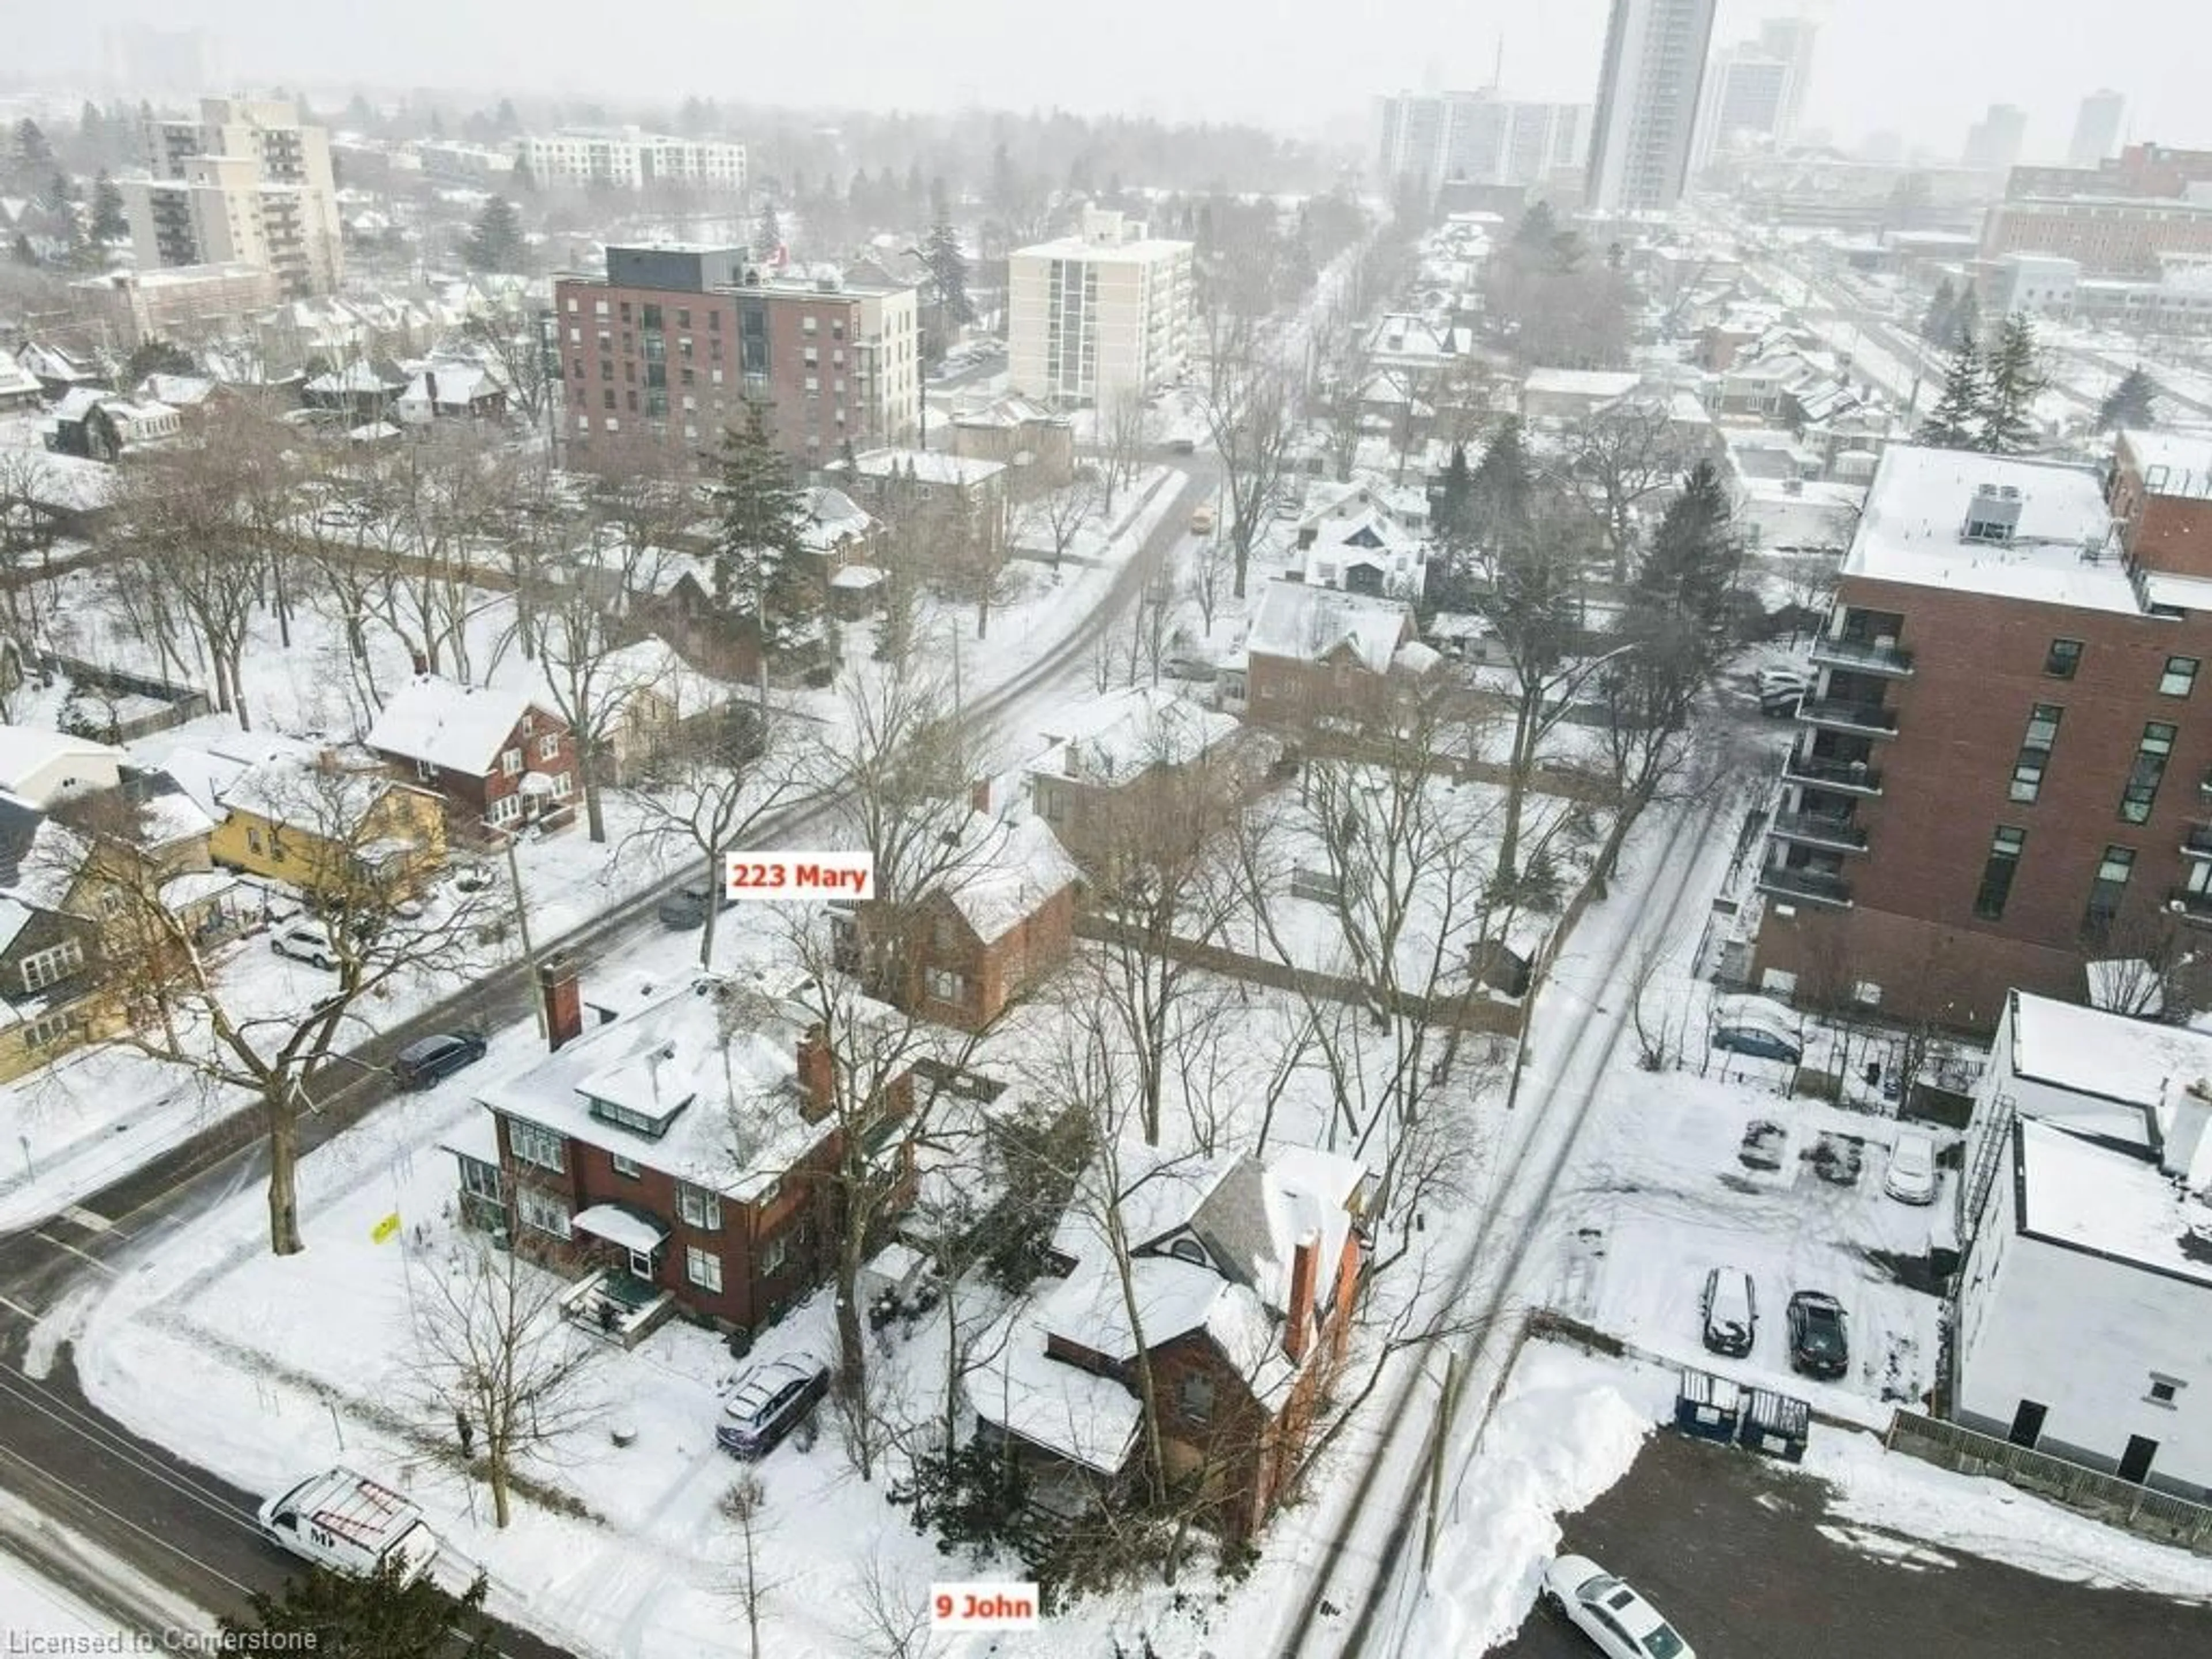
<point x="422" y="664"/>
<point x="563" y="999"/>
<point x="430" y="389"/>
<point x="978" y="795"/>
<point x="817" y="1076"/>
<point x="2183" y="1117"/>
<point x="1298" y="1326"/>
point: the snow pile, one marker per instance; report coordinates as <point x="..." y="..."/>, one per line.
<point x="1565" y="1431"/>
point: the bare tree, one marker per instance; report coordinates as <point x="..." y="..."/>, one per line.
<point x="1343" y="412"/>
<point x="359" y="845"/>
<point x="891" y="1613"/>
<point x="1249" y="418"/>
<point x="29" y="528"/>
<point x="715" y="779"/>
<point x="511" y="343"/>
<point x="915" y="753"/>
<point x="494" y="1351"/>
<point x="1128" y="429"/>
<point x="1212" y="563"/>
<point x="968" y="558"/>
<point x="1620" y="456"/>
<point x="744" y="1506"/>
<point x="1052" y="518"/>
<point x="442" y="500"/>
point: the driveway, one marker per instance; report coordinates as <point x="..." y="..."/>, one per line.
<point x="1731" y="1552"/>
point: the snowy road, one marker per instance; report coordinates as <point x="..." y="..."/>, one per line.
<point x="1365" y="1592"/>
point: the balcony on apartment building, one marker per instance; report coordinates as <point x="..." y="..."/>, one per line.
<point x="1850" y="700"/>
<point x="1815" y="768"/>
<point x="1807" y="884"/>
<point x="1817" y="828"/>
<point x="1865" y="641"/>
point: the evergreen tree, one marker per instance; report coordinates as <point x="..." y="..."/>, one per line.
<point x="1955" y="421"/>
<point x="2129" y="403"/>
<point x="22" y="252"/>
<point x="92" y="129"/>
<point x="948" y="268"/>
<point x="1688" y="577"/>
<point x="760" y="557"/>
<point x="496" y="242"/>
<point x="1453" y="587"/>
<point x="522" y="181"/>
<point x="768" y="234"/>
<point x="1501" y="492"/>
<point x="108" y="223"/>
<point x="504" y="120"/>
<point x="383" y="1614"/>
<point x="61" y="191"/>
<point x="31" y="146"/>
<point x="1935" y="324"/>
<point x="1967" y="320"/>
<point x="2012" y="380"/>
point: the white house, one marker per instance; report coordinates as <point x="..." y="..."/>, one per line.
<point x="2083" y="1308"/>
<point x="42" y="766"/>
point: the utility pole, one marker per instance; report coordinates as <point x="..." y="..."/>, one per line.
<point x="522" y="923"/>
<point x="1437" y="1462"/>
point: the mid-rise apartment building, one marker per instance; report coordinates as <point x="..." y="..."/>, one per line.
<point x="245" y="183"/>
<point x="629" y="158"/>
<point x="663" y="351"/>
<point x="1106" y="310"/>
<point x="2002" y="768"/>
<point x="1647" y="103"/>
<point x="2107" y="235"/>
<point x="1435" y="138"/>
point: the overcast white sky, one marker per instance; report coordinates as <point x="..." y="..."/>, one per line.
<point x="1926" y="67"/>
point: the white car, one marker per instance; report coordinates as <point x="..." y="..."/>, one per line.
<point x="1622" y="1624"/>
<point x="303" y="942"/>
<point x="1911" y="1175"/>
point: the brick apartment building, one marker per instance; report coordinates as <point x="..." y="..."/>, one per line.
<point x="2002" y="768"/>
<point x="657" y="355"/>
<point x="2116" y="218"/>
<point x="683" y="1155"/>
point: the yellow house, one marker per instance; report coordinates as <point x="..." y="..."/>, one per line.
<point x="323" y="826"/>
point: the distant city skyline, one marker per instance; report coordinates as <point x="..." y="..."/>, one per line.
<point x="1924" y="71"/>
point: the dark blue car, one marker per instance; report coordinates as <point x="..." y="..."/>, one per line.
<point x="433" y="1059"/>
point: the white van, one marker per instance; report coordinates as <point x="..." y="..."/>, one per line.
<point x="351" y="1524"/>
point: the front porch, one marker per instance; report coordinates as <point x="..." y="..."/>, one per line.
<point x="620" y="1300"/>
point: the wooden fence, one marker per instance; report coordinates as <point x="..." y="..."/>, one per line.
<point x="2108" y="1497"/>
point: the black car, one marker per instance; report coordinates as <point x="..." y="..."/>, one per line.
<point x="432" y="1059"/>
<point x="1817" y="1345"/>
<point x="770" y="1400"/>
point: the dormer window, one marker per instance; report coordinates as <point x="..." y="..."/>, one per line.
<point x="1189" y="1249"/>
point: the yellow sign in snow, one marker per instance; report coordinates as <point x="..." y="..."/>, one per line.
<point x="384" y="1229"/>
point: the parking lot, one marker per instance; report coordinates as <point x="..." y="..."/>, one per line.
<point x="1747" y="1563"/>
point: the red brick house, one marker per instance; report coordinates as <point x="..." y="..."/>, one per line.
<point x="1247" y="1274"/>
<point x="500" y="760"/>
<point x="1315" y="654"/>
<point x="677" y="1152"/>
<point x="1002" y="918"/>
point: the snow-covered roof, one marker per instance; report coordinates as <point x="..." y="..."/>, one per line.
<point x="14" y="916"/>
<point x="2075" y="1192"/>
<point x="2092" y="1051"/>
<point x="180" y="893"/>
<point x="374" y="432"/>
<point x="2184" y="458"/>
<point x="25" y="751"/>
<point x="928" y="465"/>
<point x="734" y="1097"/>
<point x="1605" y="383"/>
<point x="293" y="792"/>
<point x="1088" y="1419"/>
<point x="858" y="577"/>
<point x="358" y="377"/>
<point x="460" y="384"/>
<point x="39" y="858"/>
<point x="1142" y="727"/>
<point x="176" y="391"/>
<point x="1007" y="412"/>
<point x="1306" y="623"/>
<point x="833" y="518"/>
<point x="2063" y="552"/>
<point x="456" y="727"/>
<point x="1019" y="865"/>
<point x="15" y="380"/>
<point x="622" y="1226"/>
<point x="652" y="667"/>
<point x="79" y="401"/>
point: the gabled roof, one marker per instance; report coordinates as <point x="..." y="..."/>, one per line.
<point x="833" y="518"/>
<point x="456" y="727"/>
<point x="1305" y="623"/>
<point x="15" y="380"/>
<point x="1019" y="865"/>
<point x="80" y="401"/>
<point x="26" y="750"/>
<point x="1010" y="411"/>
<point x="176" y="391"/>
<point x="39" y="858"/>
<point x="1147" y="727"/>
<point x="296" y="794"/>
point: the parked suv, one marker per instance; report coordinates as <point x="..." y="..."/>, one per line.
<point x="432" y="1059"/>
<point x="688" y="905"/>
<point x="304" y="942"/>
<point x="1730" y="1309"/>
<point x="1818" y="1344"/>
<point x="769" y="1401"/>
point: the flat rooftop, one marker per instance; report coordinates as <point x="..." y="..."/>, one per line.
<point x="2186" y="457"/>
<point x="2095" y="1198"/>
<point x="2093" y="1051"/>
<point x="2062" y="551"/>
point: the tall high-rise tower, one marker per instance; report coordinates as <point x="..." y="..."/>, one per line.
<point x="1647" y="103"/>
<point x="2096" y="129"/>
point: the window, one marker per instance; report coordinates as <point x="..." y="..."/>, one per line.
<point x="482" y="1180"/>
<point x="684" y="320"/>
<point x="607" y="397"/>
<point x="2179" y="679"/>
<point x="808" y="325"/>
<point x="837" y="358"/>
<point x="505" y="810"/>
<point x="572" y="305"/>
<point x="813" y="383"/>
<point x="42" y="967"/>
<point x="532" y="1145"/>
<point x="2107" y="890"/>
<point x="47" y="1032"/>
<point x="713" y="322"/>
<point x="425" y="771"/>
<point x="613" y="424"/>
<point x="563" y="784"/>
<point x="2035" y="751"/>
<point x="548" y="746"/>
<point x="2147" y="772"/>
<point x="2005" y="848"/>
<point x="625" y="311"/>
<point x="772" y="1256"/>
<point x="2164" y="1389"/>
<point x="717" y="375"/>
<point x="510" y="761"/>
<point x="253" y="841"/>
<point x="625" y="1167"/>
<point x="575" y="334"/>
<point x="1194" y="1395"/>
<point x="599" y="308"/>
<point x="811" y="357"/>
<point x="542" y="1212"/>
<point x="2062" y="660"/>
<point x="703" y="1268"/>
<point x="945" y="986"/>
<point x="699" y="1208"/>
<point x="652" y="316"/>
<point x="837" y="329"/>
